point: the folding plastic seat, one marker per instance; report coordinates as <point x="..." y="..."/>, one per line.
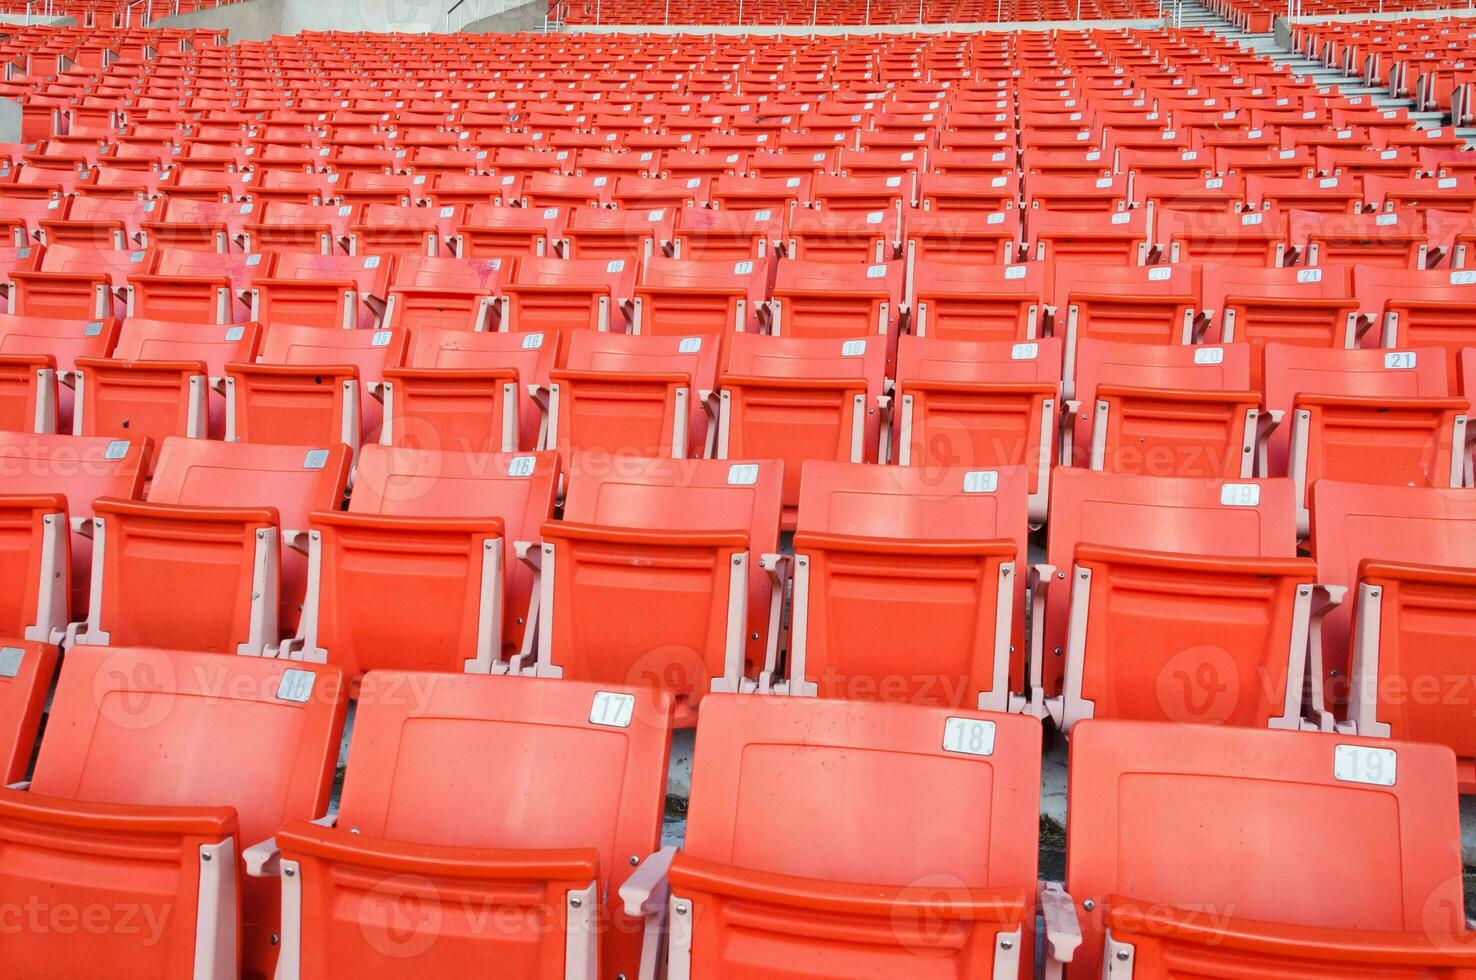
<point x="706" y="164"/>
<point x="37" y="367"/>
<point x="860" y="631"/>
<point x="294" y="187"/>
<point x="1131" y="304"/>
<point x="573" y="859"/>
<point x="634" y="394"/>
<point x="418" y="519"/>
<point x="962" y="235"/>
<point x="545" y="190"/>
<point x="1420" y="308"/>
<point x="391" y="229"/>
<point x="1455" y="193"/>
<point x="559" y="295"/>
<point x="1257" y="238"/>
<point x="1312" y="307"/>
<point x="1108" y="238"/>
<point x="1451" y="236"/>
<point x="844" y="236"/>
<point x="190" y="286"/>
<point x="157" y="769"/>
<point x="965" y="193"/>
<point x="704" y="233"/>
<point x="797" y="399"/>
<point x="836" y="300"/>
<point x="663" y="570"/>
<point x="211" y="525"/>
<point x="76" y="282"/>
<point x="1180" y="635"/>
<point x="819" y="890"/>
<point x="1166" y="410"/>
<point x="1371" y="416"/>
<point x="708" y="297"/>
<point x="1220" y="195"/>
<point x="46" y="499"/>
<point x="450" y="189"/>
<point x="307" y="386"/>
<point x="1394" y="239"/>
<point x="344" y="291"/>
<point x="954" y="300"/>
<point x="471" y="391"/>
<point x="160" y="379"/>
<point x="185" y="223"/>
<point x="602" y="233"/>
<point x="442" y="291"/>
<point x="491" y="230"/>
<point x="759" y="193"/>
<point x="1232" y="525"/>
<point x="364" y="190"/>
<point x="95" y="222"/>
<point x="636" y="193"/>
<point x="980" y="404"/>
<point x="1342" y="194"/>
<point x="319" y="228"/>
<point x="1067" y="194"/>
<point x="22" y="216"/>
<point x="26" y="672"/>
<point x="1148" y="801"/>
<point x="851" y="194"/>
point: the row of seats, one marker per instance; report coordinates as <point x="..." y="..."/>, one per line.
<point x="1423" y="59"/>
<point x="801" y="855"/>
<point x="851" y="12"/>
<point x="771" y="211"/>
<point x="671" y="569"/>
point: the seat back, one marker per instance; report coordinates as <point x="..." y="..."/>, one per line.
<point x="308" y="386"/>
<point x="873" y="619"/>
<point x="795" y="398"/>
<point x="1147" y="798"/>
<point x="26" y="671"/>
<point x="681" y="598"/>
<point x="589" y="784"/>
<point x="836" y="300"/>
<point x="955" y="300"/>
<point x="1165" y="409"/>
<point x="77" y="470"/>
<point x="1353" y="523"/>
<point x="769" y="830"/>
<point x="1243" y="518"/>
<point x="417" y="521"/>
<point x="634" y="394"/>
<point x="210" y="528"/>
<point x="561" y="295"/>
<point x="262" y="737"/>
<point x="1420" y="308"/>
<point x="467" y="390"/>
<point x="32" y="350"/>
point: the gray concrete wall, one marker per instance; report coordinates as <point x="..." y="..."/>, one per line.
<point x="249" y="20"/>
<point x="526" y="17"/>
<point x="10" y="121"/>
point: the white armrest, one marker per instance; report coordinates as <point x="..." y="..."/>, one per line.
<point x="296" y="540"/>
<point x="644" y="892"/>
<point x="264" y="860"/>
<point x="1324" y="599"/>
<point x="530" y="553"/>
<point x="20" y="787"/>
<point x="1033" y="701"/>
<point x="82" y="526"/>
<point x="1062" y="927"/>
